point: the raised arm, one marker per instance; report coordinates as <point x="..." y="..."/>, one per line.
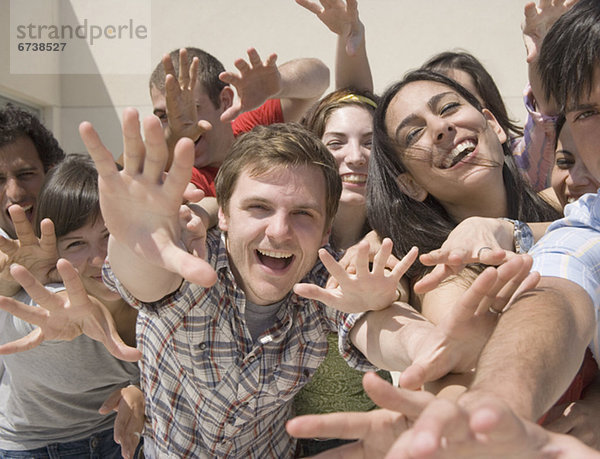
<point x="140" y="206"/>
<point x="351" y="62"/>
<point x="298" y="83"/>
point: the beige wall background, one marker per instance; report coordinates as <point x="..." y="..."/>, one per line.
<point x="401" y="34"/>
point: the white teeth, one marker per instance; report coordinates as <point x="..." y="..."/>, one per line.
<point x="461" y="147"/>
<point x="26" y="208"/>
<point x="571" y="199"/>
<point x="465" y="146"/>
<point x="354" y="178"/>
<point x="270" y="253"/>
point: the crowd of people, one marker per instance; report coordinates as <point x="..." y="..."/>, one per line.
<point x="245" y="279"/>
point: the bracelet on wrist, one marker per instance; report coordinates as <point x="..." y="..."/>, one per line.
<point x="522" y="235"/>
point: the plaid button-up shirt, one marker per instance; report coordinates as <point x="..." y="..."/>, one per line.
<point x="210" y="390"/>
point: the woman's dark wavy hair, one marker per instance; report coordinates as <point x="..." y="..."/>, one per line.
<point x="426" y="224"/>
<point x="486" y="87"/>
<point x="69" y="196"/>
<point x="16" y="122"/>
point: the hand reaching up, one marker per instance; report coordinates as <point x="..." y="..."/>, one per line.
<point x="180" y="97"/>
<point x="538" y="21"/>
<point x="341" y="17"/>
<point x="454" y="344"/>
<point x="256" y="82"/>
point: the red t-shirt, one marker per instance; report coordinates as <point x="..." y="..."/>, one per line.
<point x="268" y="113"/>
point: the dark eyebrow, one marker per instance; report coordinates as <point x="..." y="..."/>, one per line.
<point x="70" y="238"/>
<point x="563" y="151"/>
<point x="334" y="133"/>
<point x="410" y="118"/>
<point x="258" y="200"/>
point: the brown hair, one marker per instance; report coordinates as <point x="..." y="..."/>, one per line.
<point x="278" y="145"/>
<point x="69" y="196"/>
<point x="317" y="117"/>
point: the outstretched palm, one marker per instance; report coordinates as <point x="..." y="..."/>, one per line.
<point x="341" y="18"/>
<point x="63" y="317"/>
<point x="366" y="289"/>
<point x="256" y="82"/>
<point x="39" y="256"/>
<point x="141" y="204"/>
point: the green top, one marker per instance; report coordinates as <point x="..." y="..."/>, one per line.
<point x="335" y="386"/>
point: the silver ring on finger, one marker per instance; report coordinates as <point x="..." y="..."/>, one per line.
<point x="495" y="311"/>
<point x="482" y="249"/>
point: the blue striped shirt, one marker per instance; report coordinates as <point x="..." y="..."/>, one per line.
<point x="570" y="249"/>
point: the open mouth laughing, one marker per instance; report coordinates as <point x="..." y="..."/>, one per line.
<point x="275" y="260"/>
<point x="459" y="153"/>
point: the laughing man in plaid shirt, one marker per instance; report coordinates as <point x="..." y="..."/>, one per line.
<point x="226" y="343"/>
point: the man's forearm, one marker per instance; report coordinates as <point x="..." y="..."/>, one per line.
<point x="352" y="71"/>
<point x="537" y="347"/>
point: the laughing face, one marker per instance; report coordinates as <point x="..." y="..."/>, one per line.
<point x="275" y="224"/>
<point x="21" y="177"/>
<point x="348" y="136"/>
<point x="449" y="149"/>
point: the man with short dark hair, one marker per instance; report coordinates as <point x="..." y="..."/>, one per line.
<point x="27" y="151"/>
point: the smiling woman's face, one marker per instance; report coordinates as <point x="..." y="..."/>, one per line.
<point x="348" y="136"/>
<point x="449" y="148"/>
<point x="570" y="178"/>
<point x="86" y="249"/>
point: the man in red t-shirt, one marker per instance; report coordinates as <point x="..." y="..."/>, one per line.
<point x="192" y="95"/>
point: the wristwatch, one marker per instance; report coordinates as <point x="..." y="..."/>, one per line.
<point x="522" y="235"/>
